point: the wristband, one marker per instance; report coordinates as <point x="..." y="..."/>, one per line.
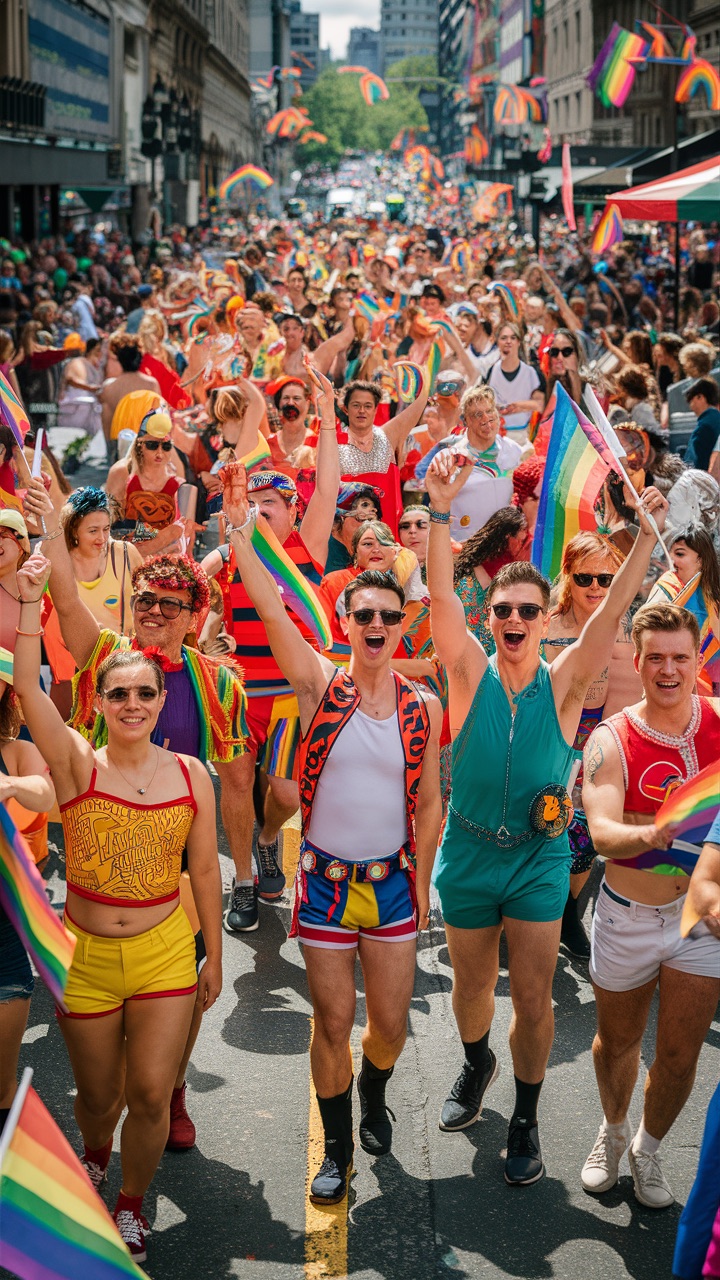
<point x="439" y="517"/>
<point x="41" y="632"/>
<point x="35" y="600"/>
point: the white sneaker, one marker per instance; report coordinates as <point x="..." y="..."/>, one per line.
<point x="600" y="1171"/>
<point x="651" y="1187"/>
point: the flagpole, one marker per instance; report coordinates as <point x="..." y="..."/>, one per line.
<point x="14" y="1113"/>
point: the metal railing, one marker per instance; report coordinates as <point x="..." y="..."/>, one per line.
<point x="22" y="104"/>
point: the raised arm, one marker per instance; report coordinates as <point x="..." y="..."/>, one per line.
<point x="306" y="670"/>
<point x="452" y="337"/>
<point x="80" y="630"/>
<point x="398" y="429"/>
<point x="253" y="420"/>
<point x="582" y="662"/>
<point x="463" y="657"/>
<point x="324" y="355"/>
<point x="318" y="519"/>
<point x="603" y="797"/>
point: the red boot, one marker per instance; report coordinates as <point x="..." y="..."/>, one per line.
<point x="182" y="1130"/>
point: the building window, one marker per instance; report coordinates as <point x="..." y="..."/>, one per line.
<point x="566" y="34"/>
<point x="578" y="28"/>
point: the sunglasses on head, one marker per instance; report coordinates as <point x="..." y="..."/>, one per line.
<point x="528" y="612"/>
<point x="154" y="445"/>
<point x="390" y="617"/>
<point x="145" y="693"/>
<point x="169" y="608"/>
<point x="562" y="351"/>
<point x="587" y="579"/>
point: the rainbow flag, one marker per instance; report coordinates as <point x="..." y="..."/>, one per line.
<point x="578" y="460"/>
<point x="12" y="412"/>
<point x="504" y="291"/>
<point x="691" y="809"/>
<point x="256" y="456"/>
<point x="368" y="306"/>
<point x="434" y="362"/>
<point x="409" y="380"/>
<point x="609" y="230"/>
<point x="613" y="72"/>
<point x="700" y="74"/>
<point x="297" y="592"/>
<point x="54" y="1226"/>
<point x="23" y="897"/>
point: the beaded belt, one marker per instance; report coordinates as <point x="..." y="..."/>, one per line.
<point x="550" y="813"/>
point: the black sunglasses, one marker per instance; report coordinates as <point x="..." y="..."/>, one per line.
<point x="528" y="612"/>
<point x="118" y="694"/>
<point x="420" y="523"/>
<point x="154" y="445"/>
<point x="587" y="579"/>
<point x="169" y="608"/>
<point x="562" y="351"/>
<point x="390" y="617"/>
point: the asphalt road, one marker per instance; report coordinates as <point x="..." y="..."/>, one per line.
<point x="236" y="1205"/>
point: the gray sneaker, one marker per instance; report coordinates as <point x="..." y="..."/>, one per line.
<point x="242" y="914"/>
<point x="600" y="1171"/>
<point x="651" y="1186"/>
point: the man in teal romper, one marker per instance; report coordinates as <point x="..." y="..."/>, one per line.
<point x="504" y="860"/>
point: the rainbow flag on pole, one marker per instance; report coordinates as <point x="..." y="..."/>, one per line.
<point x="578" y="460"/>
<point x="53" y="1224"/>
<point x="297" y="592"/>
<point x="12" y="412"/>
<point x="23" y="897"/>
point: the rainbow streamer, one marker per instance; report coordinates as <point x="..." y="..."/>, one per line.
<point x="368" y="306"/>
<point x="373" y="89"/>
<point x="691" y="809"/>
<point x="12" y="412"/>
<point x="6" y="665"/>
<point x="441" y="326"/>
<point x="613" y="72"/>
<point x="250" y="173"/>
<point x="409" y="379"/>
<point x="23" y="897"/>
<point x="54" y="1224"/>
<point x="699" y="75"/>
<point x="253" y="460"/>
<point x="504" y="291"/>
<point x="609" y="230"/>
<point x="297" y="592"/>
<point x="459" y="257"/>
<point x="434" y="362"/>
<point x="578" y="460"/>
<point x="312" y="135"/>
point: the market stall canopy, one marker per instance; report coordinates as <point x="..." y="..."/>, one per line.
<point x="690" y="195"/>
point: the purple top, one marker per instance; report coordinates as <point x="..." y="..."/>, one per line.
<point x="178" y="726"/>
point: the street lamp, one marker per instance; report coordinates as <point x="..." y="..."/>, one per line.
<point x="169" y="127"/>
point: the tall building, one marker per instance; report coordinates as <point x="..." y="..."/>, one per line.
<point x="568" y="58"/>
<point x="364" y="48"/>
<point x="453" y="56"/>
<point x="408" y="28"/>
<point x="305" y="42"/>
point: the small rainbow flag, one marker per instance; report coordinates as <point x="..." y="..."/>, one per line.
<point x="54" y="1224"/>
<point x="578" y="460"/>
<point x="609" y="230"/>
<point x="368" y="306"/>
<point x="613" y="72"/>
<point x="691" y="809"/>
<point x="12" y="412"/>
<point x="297" y="592"/>
<point x="23" y="896"/>
<point x="504" y="291"/>
<point x="409" y="378"/>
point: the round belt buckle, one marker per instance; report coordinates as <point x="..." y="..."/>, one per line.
<point x="336" y="871"/>
<point x="308" y="862"/>
<point x="551" y="811"/>
<point x="377" y="871"/>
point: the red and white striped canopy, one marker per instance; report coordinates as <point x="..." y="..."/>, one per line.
<point x="690" y="194"/>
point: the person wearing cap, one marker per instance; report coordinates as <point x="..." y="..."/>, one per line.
<point x="14" y="551"/>
<point x="433" y="302"/>
<point x="272" y="705"/>
<point x="143" y="488"/>
<point x="146" y="294"/>
<point x="125" y="349"/>
<point x="356" y="502"/>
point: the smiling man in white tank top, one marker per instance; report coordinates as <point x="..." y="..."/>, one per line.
<point x="371" y="810"/>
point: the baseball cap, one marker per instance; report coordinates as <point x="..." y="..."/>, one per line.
<point x="144" y="290"/>
<point x="12" y="520"/>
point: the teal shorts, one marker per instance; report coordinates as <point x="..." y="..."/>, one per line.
<point x="480" y="884"/>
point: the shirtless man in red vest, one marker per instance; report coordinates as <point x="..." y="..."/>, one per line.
<point x="371" y="810"/>
<point x="632" y="762"/>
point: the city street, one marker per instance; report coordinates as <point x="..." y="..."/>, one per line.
<point x="236" y="1206"/>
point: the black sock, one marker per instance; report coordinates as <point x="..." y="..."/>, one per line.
<point x="336" y="1116"/>
<point x="526" y="1101"/>
<point x="4" y="1113"/>
<point x="375" y="1073"/>
<point x="477" y="1052"/>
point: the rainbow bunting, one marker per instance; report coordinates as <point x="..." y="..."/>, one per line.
<point x="699" y="75"/>
<point x="23" y="897"/>
<point x="613" y="72"/>
<point x="409" y="379"/>
<point x="609" y="230"/>
<point x="54" y="1224"/>
<point x="250" y="173"/>
<point x="6" y="665"/>
<point x="578" y="460"/>
<point x="12" y="412"/>
<point x="297" y="592"/>
<point x="504" y="291"/>
<point x="691" y="810"/>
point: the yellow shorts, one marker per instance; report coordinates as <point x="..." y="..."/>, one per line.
<point x="106" y="972"/>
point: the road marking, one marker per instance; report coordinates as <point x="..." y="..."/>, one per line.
<point x="36" y="1033"/>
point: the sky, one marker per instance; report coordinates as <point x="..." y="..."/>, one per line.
<point x="338" y="16"/>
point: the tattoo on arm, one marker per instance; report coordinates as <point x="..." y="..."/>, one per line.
<point x="594" y="759"/>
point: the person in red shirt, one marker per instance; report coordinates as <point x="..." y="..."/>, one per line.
<point x="298" y="430"/>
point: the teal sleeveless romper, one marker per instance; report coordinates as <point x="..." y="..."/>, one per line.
<point x="492" y="862"/>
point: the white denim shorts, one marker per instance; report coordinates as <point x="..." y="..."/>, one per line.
<point x="630" y="941"/>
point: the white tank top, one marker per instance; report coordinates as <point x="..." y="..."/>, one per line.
<point x="359" y="810"/>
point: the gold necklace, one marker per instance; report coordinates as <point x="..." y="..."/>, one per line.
<point x="140" y="790"/>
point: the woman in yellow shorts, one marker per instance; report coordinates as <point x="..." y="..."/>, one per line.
<point x="128" y="811"/>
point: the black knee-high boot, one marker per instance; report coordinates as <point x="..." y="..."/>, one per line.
<point x="375" y="1127"/>
<point x="330" y="1183"/>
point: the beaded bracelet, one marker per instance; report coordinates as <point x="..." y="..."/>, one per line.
<point x="439" y="517"/>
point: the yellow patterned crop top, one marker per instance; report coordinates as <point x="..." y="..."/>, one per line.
<point x="117" y="851"/>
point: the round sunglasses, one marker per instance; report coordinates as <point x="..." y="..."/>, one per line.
<point x="603" y="580"/>
<point x="169" y="608"/>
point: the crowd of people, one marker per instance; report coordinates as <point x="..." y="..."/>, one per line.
<point x="361" y="413"/>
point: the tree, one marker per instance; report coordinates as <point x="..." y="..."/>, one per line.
<point x="336" y="108"/>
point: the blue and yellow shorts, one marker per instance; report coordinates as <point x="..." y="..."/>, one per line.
<point x="274" y="724"/>
<point x="339" y="902"/>
<point x="105" y="972"/>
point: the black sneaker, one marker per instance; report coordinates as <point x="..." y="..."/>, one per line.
<point x="271" y="879"/>
<point x="242" y="914"/>
<point x="573" y="938"/>
<point x="330" y="1184"/>
<point x="523" y="1163"/>
<point x="465" y="1103"/>
<point x="375" y="1127"/>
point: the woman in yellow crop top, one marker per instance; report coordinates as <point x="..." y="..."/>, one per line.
<point x="128" y="810"/>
